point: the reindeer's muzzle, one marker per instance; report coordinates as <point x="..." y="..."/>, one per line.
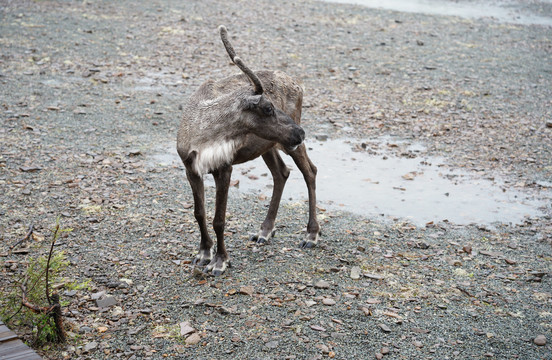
<point x="296" y="138"/>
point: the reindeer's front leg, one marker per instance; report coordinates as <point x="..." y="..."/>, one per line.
<point x="206" y="245"/>
<point x="280" y="173"/>
<point x="222" y="181"/>
<point x="308" y="170"/>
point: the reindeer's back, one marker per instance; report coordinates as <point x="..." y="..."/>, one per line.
<point x="285" y="92"/>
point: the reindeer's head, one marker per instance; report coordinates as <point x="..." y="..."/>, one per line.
<point x="260" y="115"/>
<point x="270" y="123"/>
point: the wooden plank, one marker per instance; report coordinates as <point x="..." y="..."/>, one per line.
<point x="11" y="348"/>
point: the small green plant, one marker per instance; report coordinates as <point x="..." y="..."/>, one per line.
<point x="75" y="285"/>
<point x="30" y="302"/>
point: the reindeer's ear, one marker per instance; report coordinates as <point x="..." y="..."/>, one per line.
<point x="251" y="102"/>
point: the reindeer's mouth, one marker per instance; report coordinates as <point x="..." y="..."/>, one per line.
<point x="296" y="138"/>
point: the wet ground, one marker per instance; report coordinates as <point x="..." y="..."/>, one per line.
<point x="367" y="179"/>
<point x="535" y="12"/>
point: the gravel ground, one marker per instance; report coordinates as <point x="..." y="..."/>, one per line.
<point x="91" y="90"/>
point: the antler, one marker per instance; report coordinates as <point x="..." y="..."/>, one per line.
<point x="258" y="86"/>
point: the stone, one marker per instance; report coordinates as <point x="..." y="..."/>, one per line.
<point x="322" y="284"/>
<point x="91" y="346"/>
<point x="272" y="344"/>
<point x="385" y="328"/>
<point x="247" y="290"/>
<point x="328" y="301"/>
<point x="186" y="328"/>
<point x="540" y="340"/>
<point x="106" y="302"/>
<point x="70" y="293"/>
<point x="317" y="328"/>
<point x="193" y="339"/>
<point x="324" y="348"/>
<point x="85" y="329"/>
<point x="355" y="273"/>
<point x="97" y="295"/>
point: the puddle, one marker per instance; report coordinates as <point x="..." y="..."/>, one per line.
<point x="506" y="11"/>
<point x="368" y="180"/>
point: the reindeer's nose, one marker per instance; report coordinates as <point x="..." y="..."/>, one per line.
<point x="297" y="136"/>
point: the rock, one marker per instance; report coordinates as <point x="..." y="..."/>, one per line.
<point x="328" y="301"/>
<point x="85" y="329"/>
<point x="418" y="344"/>
<point x="186" y="328"/>
<point x="322" y="284"/>
<point x="101" y="329"/>
<point x="385" y="328"/>
<point x="272" y="344"/>
<point x="70" y="293"/>
<point x="366" y="310"/>
<point x="97" y="295"/>
<point x="317" y="328"/>
<point x="374" y="276"/>
<point x="410" y="176"/>
<point x="467" y="249"/>
<point x="112" y="284"/>
<point x="106" y="302"/>
<point x="324" y="348"/>
<point x="355" y="273"/>
<point x="126" y="281"/>
<point x="193" y="339"/>
<point x="247" y="290"/>
<point x="384" y="350"/>
<point x="310" y="303"/>
<point x="540" y="340"/>
<point x="117" y="311"/>
<point x="379" y="356"/>
<point x="91" y="346"/>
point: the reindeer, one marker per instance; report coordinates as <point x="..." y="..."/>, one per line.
<point x="234" y="120"/>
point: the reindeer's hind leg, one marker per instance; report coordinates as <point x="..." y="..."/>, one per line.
<point x="222" y="181"/>
<point x="206" y="244"/>
<point x="308" y="170"/>
<point x="280" y="173"/>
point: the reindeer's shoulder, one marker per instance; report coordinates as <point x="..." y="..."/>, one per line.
<point x="214" y="90"/>
<point x="276" y="81"/>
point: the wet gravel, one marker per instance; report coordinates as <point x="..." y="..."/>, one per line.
<point x="90" y="89"/>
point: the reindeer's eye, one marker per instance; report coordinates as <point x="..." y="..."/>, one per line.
<point x="268" y="110"/>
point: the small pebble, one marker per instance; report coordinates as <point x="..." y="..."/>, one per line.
<point x="328" y="301"/>
<point x="540" y="340"/>
<point x="193" y="339"/>
<point x="322" y="284"/>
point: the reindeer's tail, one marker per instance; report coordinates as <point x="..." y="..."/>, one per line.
<point x="236" y="60"/>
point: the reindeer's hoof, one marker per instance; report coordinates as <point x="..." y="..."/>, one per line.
<point x="310" y="242"/>
<point x="203" y="258"/>
<point x="262" y="239"/>
<point x="217" y="266"/>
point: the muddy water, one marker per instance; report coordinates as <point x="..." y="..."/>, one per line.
<point x="507" y="11"/>
<point x="366" y="179"/>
